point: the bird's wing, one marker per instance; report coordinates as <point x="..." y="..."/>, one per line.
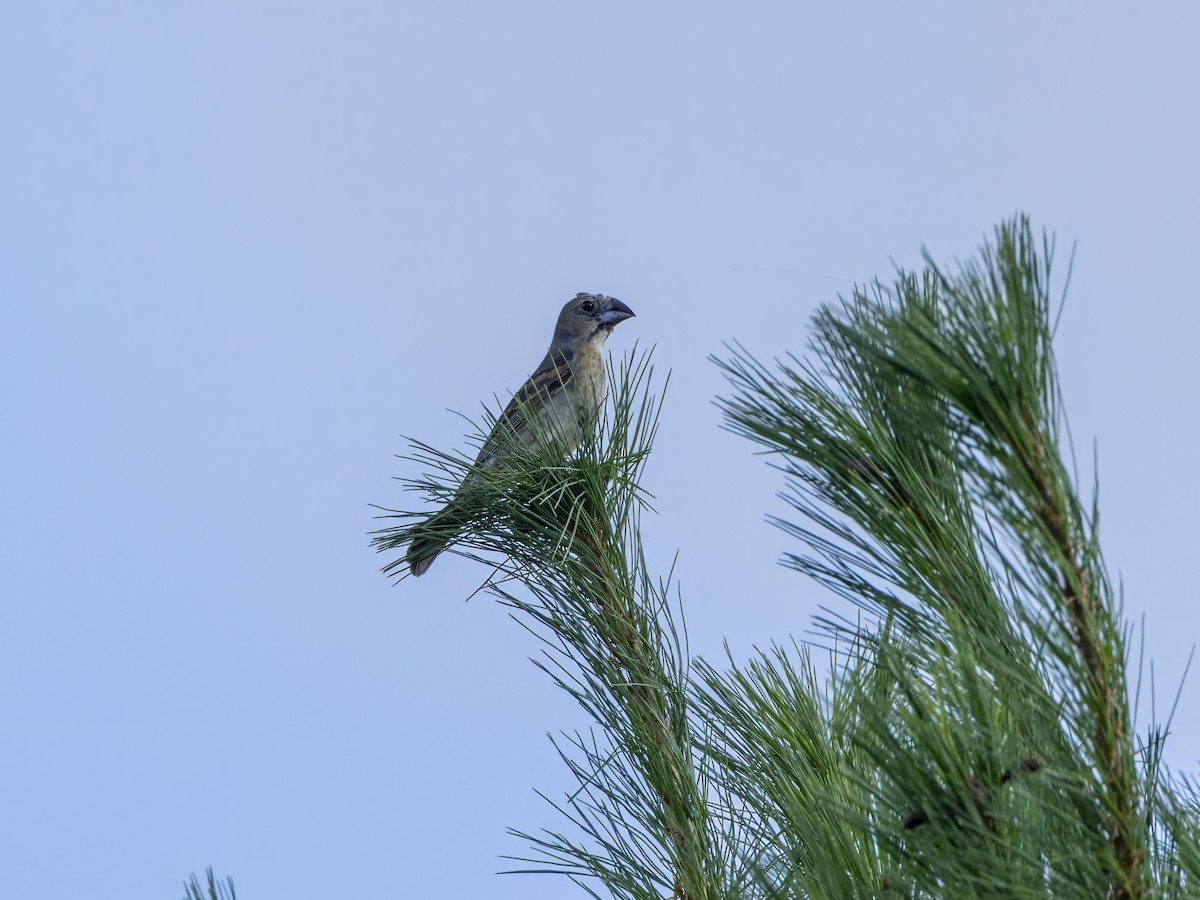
<point x="550" y="378"/>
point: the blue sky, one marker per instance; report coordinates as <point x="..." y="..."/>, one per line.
<point x="245" y="247"/>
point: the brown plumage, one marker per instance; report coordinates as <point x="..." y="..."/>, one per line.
<point x="566" y="389"/>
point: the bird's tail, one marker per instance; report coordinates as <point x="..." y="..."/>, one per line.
<point x="423" y="551"/>
<point x="432" y="537"/>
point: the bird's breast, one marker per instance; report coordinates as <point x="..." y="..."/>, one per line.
<point x="588" y="371"/>
<point x="576" y="406"/>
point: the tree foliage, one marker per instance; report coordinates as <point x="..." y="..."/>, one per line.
<point x="972" y="734"/>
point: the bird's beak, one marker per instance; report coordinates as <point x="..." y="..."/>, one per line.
<point x="617" y="312"/>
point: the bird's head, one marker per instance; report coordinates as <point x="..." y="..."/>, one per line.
<point x="587" y="315"/>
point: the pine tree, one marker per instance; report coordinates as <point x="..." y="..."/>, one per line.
<point x="973" y="736"/>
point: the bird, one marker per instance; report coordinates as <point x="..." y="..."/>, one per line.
<point x="566" y="390"/>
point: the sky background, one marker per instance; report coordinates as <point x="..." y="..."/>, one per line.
<point x="245" y="247"/>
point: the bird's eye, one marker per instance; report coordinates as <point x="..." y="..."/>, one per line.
<point x="587" y="306"/>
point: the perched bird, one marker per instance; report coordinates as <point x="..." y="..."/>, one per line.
<point x="564" y="391"/>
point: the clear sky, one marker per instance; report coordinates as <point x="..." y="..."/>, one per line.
<point x="244" y="247"/>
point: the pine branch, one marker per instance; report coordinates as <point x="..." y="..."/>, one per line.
<point x="974" y="738"/>
<point x="567" y="532"/>
<point x="921" y="446"/>
<point x="981" y="795"/>
<point x="1015" y="413"/>
<point x="212" y="890"/>
<point x="622" y="626"/>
